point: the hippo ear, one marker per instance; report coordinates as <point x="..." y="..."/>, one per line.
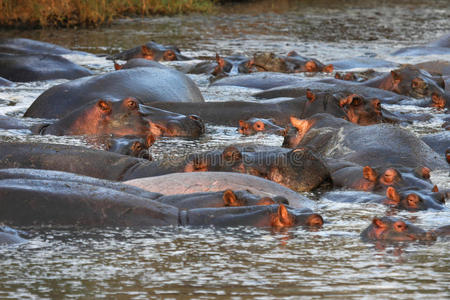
<point x="301" y="125"/>
<point x="391" y="193"/>
<point x="117" y="66"/>
<point x="220" y="61"/>
<point x="147" y="53"/>
<point x="149" y="140"/>
<point x="169" y="55"/>
<point x="231" y="154"/>
<point x="437" y="100"/>
<point x="104" y="106"/>
<point x="338" y="76"/>
<point x="369" y="174"/>
<point x="292" y="53"/>
<point x="258" y="125"/>
<point x="378" y="223"/>
<point x="328" y="68"/>
<point x="284" y="216"/>
<point x="229" y="198"/>
<point x="310" y="95"/>
<point x="243" y="124"/>
<point x="345" y="101"/>
<point x="435" y="189"/>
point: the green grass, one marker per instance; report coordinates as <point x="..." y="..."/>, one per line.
<point x="90" y="13"/>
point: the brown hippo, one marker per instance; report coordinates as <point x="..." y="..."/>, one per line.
<point x="255" y="125"/>
<point x="394" y="230"/>
<point x="151" y="51"/>
<point x="375" y="145"/>
<point x="36" y="67"/>
<point x="146" y="84"/>
<point x="299" y="169"/>
<point x="292" y="63"/>
<point x="222" y="66"/>
<point x="349" y="106"/>
<point x="414" y="200"/>
<point x="127" y="117"/>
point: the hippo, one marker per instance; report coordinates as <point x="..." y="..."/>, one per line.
<point x="127" y="117"/>
<point x="146" y="84"/>
<point x="36" y="67"/>
<point x="394" y="230"/>
<point x="151" y="51"/>
<point x="222" y="66"/>
<point x="225" y="198"/>
<point x="196" y="182"/>
<point x="299" y="169"/>
<point x="135" y="146"/>
<point x="9" y="236"/>
<point x="374" y="145"/>
<point x="435" y="67"/>
<point x="349" y="106"/>
<point x="139" y="63"/>
<point x="438" y="47"/>
<point x="27" y="46"/>
<point x="292" y="63"/>
<point x="439" y="141"/>
<point x="362" y="63"/>
<point x="28" y="202"/>
<point x="414" y="200"/>
<point x="262" y="81"/>
<point x="255" y="125"/>
<point x="300" y="89"/>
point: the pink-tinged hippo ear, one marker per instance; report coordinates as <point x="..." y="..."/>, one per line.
<point x="345" y="101"/>
<point x="292" y="53"/>
<point x="117" y="66"/>
<point x="435" y="189"/>
<point x="437" y="101"/>
<point x="282" y="218"/>
<point x="369" y="174"/>
<point x="338" y="76"/>
<point x="231" y="154"/>
<point x="104" y="106"/>
<point x="220" y="61"/>
<point x="149" y="140"/>
<point x="378" y="223"/>
<point x="391" y="194"/>
<point x="310" y="95"/>
<point x="301" y="125"/>
<point x="328" y="68"/>
<point x="229" y="198"/>
<point x="259" y="126"/>
<point x="147" y="53"/>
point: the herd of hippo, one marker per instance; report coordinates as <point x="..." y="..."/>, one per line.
<point x="337" y="134"/>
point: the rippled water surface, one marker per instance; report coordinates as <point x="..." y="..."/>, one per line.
<point x="239" y="262"/>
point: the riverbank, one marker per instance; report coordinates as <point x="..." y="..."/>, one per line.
<point x="90" y="13"/>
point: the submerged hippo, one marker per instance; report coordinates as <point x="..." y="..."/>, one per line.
<point x="9" y="236"/>
<point x="440" y="46"/>
<point x="131" y="145"/>
<point x="292" y="63"/>
<point x="362" y="63"/>
<point x="394" y="230"/>
<point x="299" y="169"/>
<point x="375" y="145"/>
<point x="439" y="142"/>
<point x="126" y="117"/>
<point x="414" y="200"/>
<point x="27" y="46"/>
<point x="139" y="63"/>
<point x="146" y="84"/>
<point x="185" y="183"/>
<point x="28" y="202"/>
<point x="35" y="67"/>
<point x="255" y="125"/>
<point x="349" y="106"/>
<point x="151" y="51"/>
<point x="222" y="66"/>
<point x="262" y="81"/>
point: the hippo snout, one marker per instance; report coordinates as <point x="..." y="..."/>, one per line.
<point x="198" y="122"/>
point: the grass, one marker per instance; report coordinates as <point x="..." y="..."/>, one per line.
<point x="89" y="13"/>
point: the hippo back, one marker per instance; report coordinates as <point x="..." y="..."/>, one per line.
<point x="146" y="84"/>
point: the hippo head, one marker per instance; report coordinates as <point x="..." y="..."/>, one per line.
<point x="268" y="62"/>
<point x="414" y="200"/>
<point x="245" y="198"/>
<point x="231" y="65"/>
<point x="135" y="146"/>
<point x="413" y="82"/>
<point x="255" y="125"/>
<point x="304" y="64"/>
<point x="361" y="111"/>
<point x="288" y="218"/>
<point x="153" y="51"/>
<point x="392" y="229"/>
<point x="349" y="76"/>
<point x="165" y="123"/>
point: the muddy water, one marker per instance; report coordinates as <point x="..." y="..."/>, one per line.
<point x="239" y="262"/>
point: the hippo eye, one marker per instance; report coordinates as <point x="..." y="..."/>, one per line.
<point x="400" y="226"/>
<point x="132" y="105"/>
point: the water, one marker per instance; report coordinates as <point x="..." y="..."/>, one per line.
<point x="239" y="262"/>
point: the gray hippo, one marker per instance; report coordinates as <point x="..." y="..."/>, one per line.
<point x="146" y="84"/>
